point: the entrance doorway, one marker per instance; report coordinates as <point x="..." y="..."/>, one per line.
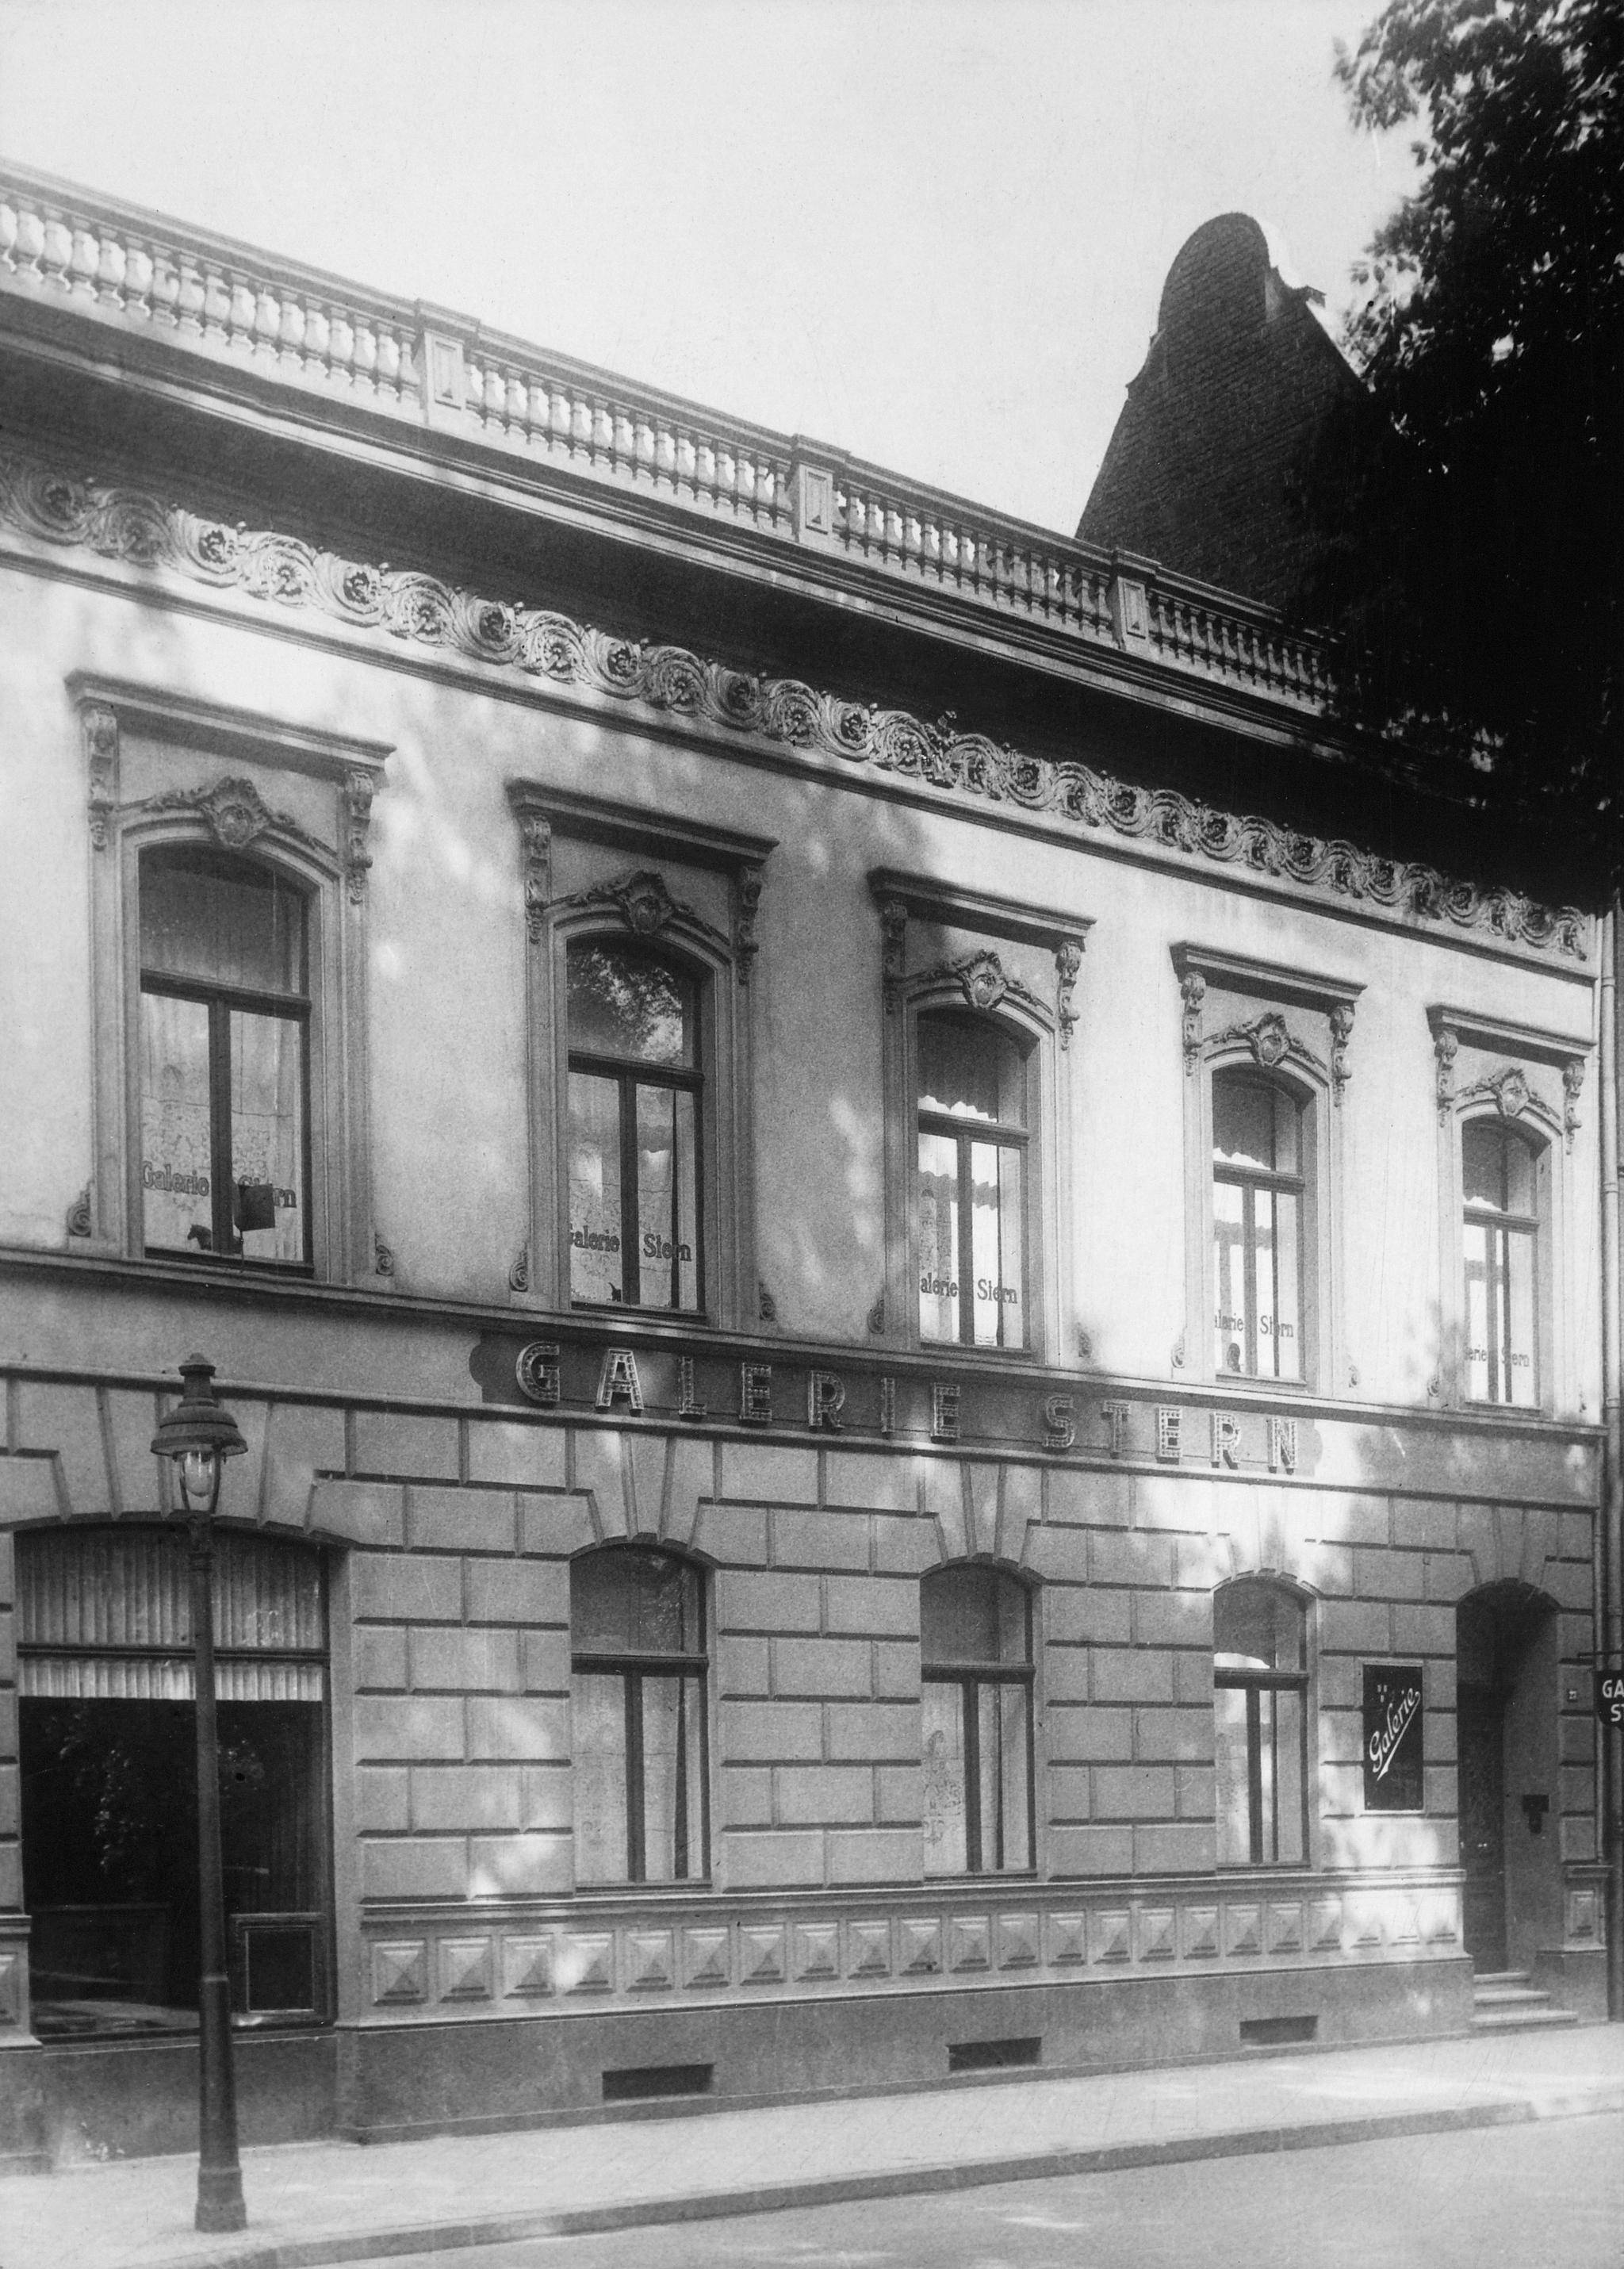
<point x="1505" y="1723"/>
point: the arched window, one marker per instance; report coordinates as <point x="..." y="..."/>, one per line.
<point x="976" y="1631"/>
<point x="1499" y="1189"/>
<point x="109" y="1830"/>
<point x="635" y="1129"/>
<point x="638" y="1649"/>
<point x="1260" y="1697"/>
<point x="1258" y="1197"/>
<point x="973" y="1178"/>
<point x="224" y="1044"/>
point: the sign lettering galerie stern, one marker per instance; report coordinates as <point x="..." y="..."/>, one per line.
<point x="794" y="1396"/>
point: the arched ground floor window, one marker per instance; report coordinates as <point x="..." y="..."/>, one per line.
<point x="109" y="1812"/>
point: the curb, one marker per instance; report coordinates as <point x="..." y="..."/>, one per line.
<point x="900" y="2182"/>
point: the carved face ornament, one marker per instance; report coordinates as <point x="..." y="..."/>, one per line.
<point x="1270" y="1041"/>
<point x="646" y="903"/>
<point x="983" y="981"/>
<point x="1511" y="1094"/>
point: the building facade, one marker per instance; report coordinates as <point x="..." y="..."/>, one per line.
<point x="915" y="1300"/>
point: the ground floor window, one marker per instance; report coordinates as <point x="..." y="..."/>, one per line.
<point x="976" y="1660"/>
<point x="642" y="1806"/>
<point x="1260" y="1702"/>
<point x="106" y="1725"/>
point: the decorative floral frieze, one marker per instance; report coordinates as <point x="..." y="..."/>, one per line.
<point x="134" y="529"/>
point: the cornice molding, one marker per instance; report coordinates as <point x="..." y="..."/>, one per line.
<point x="133" y="528"/>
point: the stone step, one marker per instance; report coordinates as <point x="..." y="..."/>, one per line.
<point x="1521" y="2020"/>
<point x="1500" y="1978"/>
<point x="1508" y="1997"/>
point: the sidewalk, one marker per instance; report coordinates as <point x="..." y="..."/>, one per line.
<point x="329" y="2202"/>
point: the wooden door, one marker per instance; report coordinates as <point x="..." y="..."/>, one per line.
<point x="1480" y="1726"/>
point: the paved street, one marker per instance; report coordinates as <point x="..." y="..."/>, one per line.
<point x="1544" y="2197"/>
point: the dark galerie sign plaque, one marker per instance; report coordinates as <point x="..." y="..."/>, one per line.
<point x="1392" y="1737"/>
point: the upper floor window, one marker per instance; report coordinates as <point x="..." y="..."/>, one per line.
<point x="1258" y="1202"/>
<point x="636" y="1125"/>
<point x="224" y="1069"/>
<point x="972" y="1182"/>
<point x="1500" y="1190"/>
<point x="638" y="1658"/>
<point x="976" y="1632"/>
<point x="1260" y="1703"/>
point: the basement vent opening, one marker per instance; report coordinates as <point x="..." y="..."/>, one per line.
<point x="993" y="2055"/>
<point x="637" y="2083"/>
<point x="1266" y="2032"/>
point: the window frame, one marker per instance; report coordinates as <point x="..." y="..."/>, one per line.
<point x="1249" y="1181"/>
<point x="215" y="778"/>
<point x="970" y="1677"/>
<point x="964" y="1134"/>
<point x="1292" y="1029"/>
<point x="981" y="977"/>
<point x="1511" y="1075"/>
<point x="634" y="1667"/>
<point x="1254" y="1684"/>
<point x="624" y="903"/>
<point x="220" y="1000"/>
<point x="1500" y="1226"/>
<point x="630" y="1074"/>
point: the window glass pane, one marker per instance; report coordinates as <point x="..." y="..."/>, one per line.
<point x="1279" y="1328"/>
<point x="598" y="1751"/>
<point x="1229" y="1277"/>
<point x="595" y="1263"/>
<point x="938" y="1204"/>
<point x="223" y="920"/>
<point x="971" y="1613"/>
<point x="1281" y="1726"/>
<point x="1521" y="1197"/>
<point x="996" y="1258"/>
<point x="1497" y="1169"/>
<point x="1480" y="1369"/>
<point x="673" y="1778"/>
<point x="624" y="1002"/>
<point x="627" y="1601"/>
<point x="667" y="1249"/>
<point x="1233" y="1801"/>
<point x="971" y="1068"/>
<point x="268" y="1136"/>
<point x="1005" y="1813"/>
<point x="177" y="1162"/>
<point x="1522" y="1380"/>
<point x="1257" y="1626"/>
<point x="1243" y="1122"/>
<point x="943" y="1800"/>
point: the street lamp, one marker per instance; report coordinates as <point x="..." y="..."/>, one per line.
<point x="199" y="1434"/>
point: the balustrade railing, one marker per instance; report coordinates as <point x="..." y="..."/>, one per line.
<point x="300" y="327"/>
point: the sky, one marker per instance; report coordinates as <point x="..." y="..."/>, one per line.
<point x="933" y="235"/>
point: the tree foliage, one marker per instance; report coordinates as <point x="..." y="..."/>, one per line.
<point x="1472" y="528"/>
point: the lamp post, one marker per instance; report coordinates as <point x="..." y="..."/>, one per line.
<point x="199" y="1434"/>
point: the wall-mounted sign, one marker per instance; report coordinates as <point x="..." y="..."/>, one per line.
<point x="1610" y="1694"/>
<point x="789" y="1393"/>
<point x="1392" y="1737"/>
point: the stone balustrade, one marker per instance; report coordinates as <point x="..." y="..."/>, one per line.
<point x="299" y="327"/>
